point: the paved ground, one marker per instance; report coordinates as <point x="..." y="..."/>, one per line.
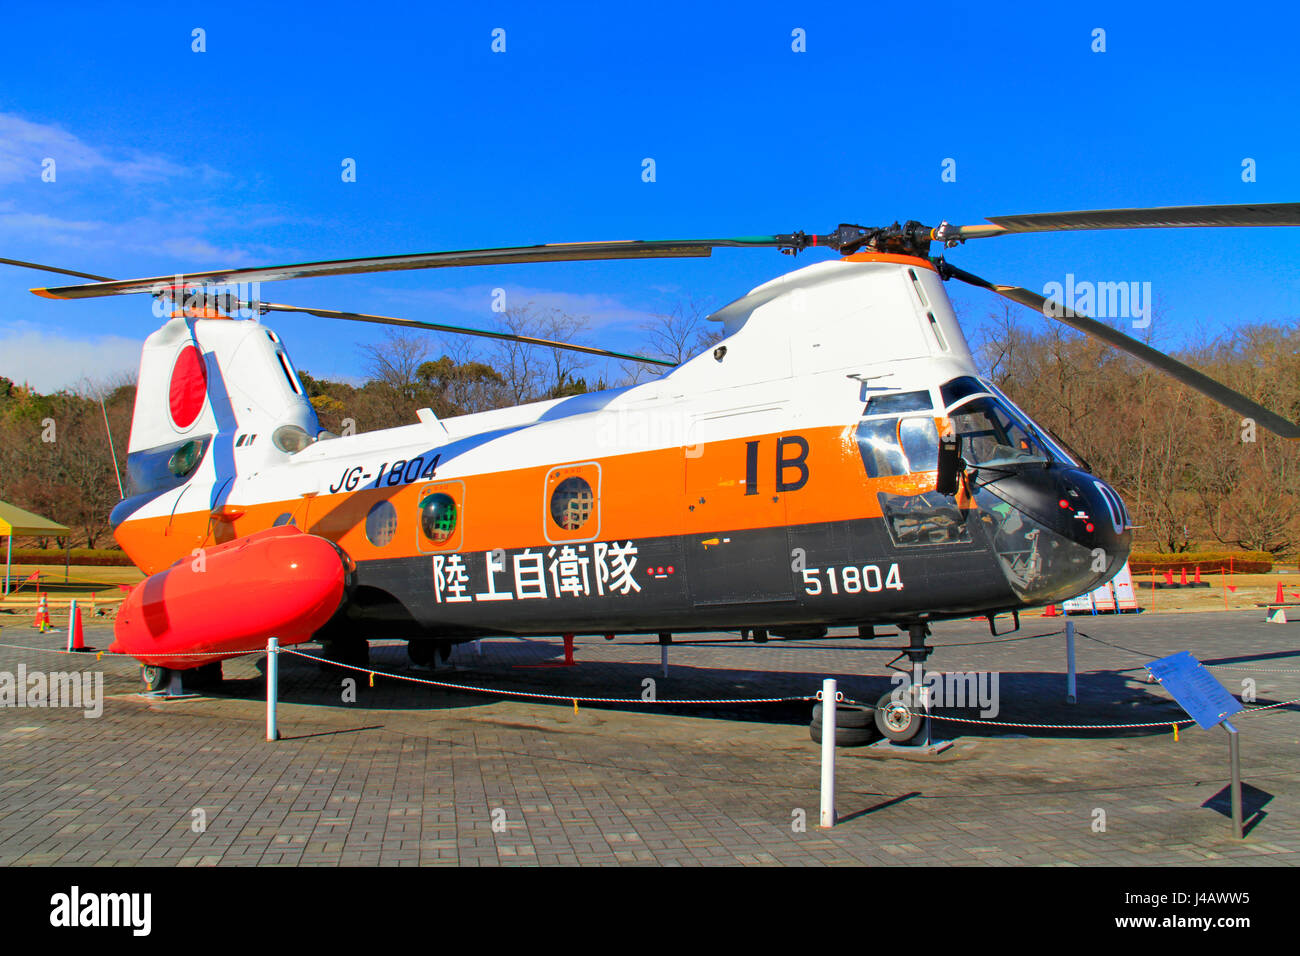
<point x="410" y="774"/>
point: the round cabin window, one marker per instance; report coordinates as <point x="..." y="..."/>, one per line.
<point x="572" y="503"/>
<point x="381" y="524"/>
<point x="438" y="517"/>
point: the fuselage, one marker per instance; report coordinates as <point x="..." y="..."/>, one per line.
<point x="783" y="479"/>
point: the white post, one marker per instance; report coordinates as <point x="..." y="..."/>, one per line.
<point x="272" y="686"/>
<point x="9" y="558"/>
<point x="663" y="657"/>
<point x="828" y="753"/>
<point x="72" y="619"/>
<point x="1234" y="756"/>
<point x="1069" y="653"/>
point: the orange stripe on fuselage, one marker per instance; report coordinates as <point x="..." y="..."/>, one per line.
<point x="642" y="494"/>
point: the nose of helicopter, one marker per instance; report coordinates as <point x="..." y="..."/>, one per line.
<point x="1058" y="531"/>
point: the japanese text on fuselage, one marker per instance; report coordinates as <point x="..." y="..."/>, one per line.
<point x="560" y="572"/>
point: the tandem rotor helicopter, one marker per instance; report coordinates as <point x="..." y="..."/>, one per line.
<point x="835" y="460"/>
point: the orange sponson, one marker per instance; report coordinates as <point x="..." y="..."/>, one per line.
<point x="231" y="598"/>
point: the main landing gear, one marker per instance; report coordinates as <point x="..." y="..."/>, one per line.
<point x="428" y="653"/>
<point x="164" y="679"/>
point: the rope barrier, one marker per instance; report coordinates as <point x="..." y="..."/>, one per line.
<point x="372" y="673"/>
<point x="1154" y="723"/>
<point x="535" y="696"/>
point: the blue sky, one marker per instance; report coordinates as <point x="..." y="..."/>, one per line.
<point x="169" y="159"/>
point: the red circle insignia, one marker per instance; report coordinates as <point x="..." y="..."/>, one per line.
<point x="189" y="387"/>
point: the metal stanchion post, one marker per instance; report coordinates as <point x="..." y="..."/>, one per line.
<point x="1070" y="697"/>
<point x="828" y="753"/>
<point x="1234" y="756"/>
<point x="272" y="686"/>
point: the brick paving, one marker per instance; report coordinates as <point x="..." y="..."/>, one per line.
<point x="413" y="775"/>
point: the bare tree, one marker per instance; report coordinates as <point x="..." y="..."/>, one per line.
<point x="681" y="333"/>
<point x="396" y="361"/>
<point x="533" y="372"/>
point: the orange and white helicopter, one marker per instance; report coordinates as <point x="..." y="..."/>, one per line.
<point x="835" y="460"/>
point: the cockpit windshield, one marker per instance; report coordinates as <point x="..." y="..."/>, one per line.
<point x="991" y="434"/>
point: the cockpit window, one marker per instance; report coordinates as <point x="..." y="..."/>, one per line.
<point x="898" y="402"/>
<point x="959" y="388"/>
<point x="991" y="434"/>
<point x="890" y="447"/>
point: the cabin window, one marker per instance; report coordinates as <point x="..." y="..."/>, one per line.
<point x="284" y="519"/>
<point x="572" y="503"/>
<point x="381" y="523"/>
<point x="438" y="517"/>
<point x="441" y="517"/>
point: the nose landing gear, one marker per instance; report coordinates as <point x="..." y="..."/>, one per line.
<point x="901" y="714"/>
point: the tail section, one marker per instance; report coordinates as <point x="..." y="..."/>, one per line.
<point x="216" y="397"/>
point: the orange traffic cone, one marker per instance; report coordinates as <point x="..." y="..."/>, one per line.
<point x="1281" y="598"/>
<point x="1197" y="579"/>
<point x="1051" y="611"/>
<point x="1182" y="579"/>
<point x="42" y="622"/>
<point x="1169" y="578"/>
<point x="76" y="640"/>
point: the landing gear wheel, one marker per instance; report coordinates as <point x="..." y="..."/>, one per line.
<point x="444" y="650"/>
<point x="898" y="719"/>
<point x="154" y="677"/>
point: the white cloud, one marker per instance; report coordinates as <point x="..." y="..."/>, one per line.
<point x="24" y="145"/>
<point x="49" y="362"/>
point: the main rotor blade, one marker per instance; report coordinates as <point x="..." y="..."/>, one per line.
<point x="1170" y="366"/>
<point x="41" y="268"/>
<point x="1156" y="217"/>
<point x="459" y="330"/>
<point x="556" y="252"/>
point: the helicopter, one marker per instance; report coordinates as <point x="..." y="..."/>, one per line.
<point x="834" y="460"/>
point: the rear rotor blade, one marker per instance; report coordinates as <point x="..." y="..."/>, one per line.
<point x="41" y="268"/>
<point x="460" y="330"/>
<point x="234" y="303"/>
<point x="1170" y="366"/>
<point x="556" y="252"/>
<point x="1156" y="217"/>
